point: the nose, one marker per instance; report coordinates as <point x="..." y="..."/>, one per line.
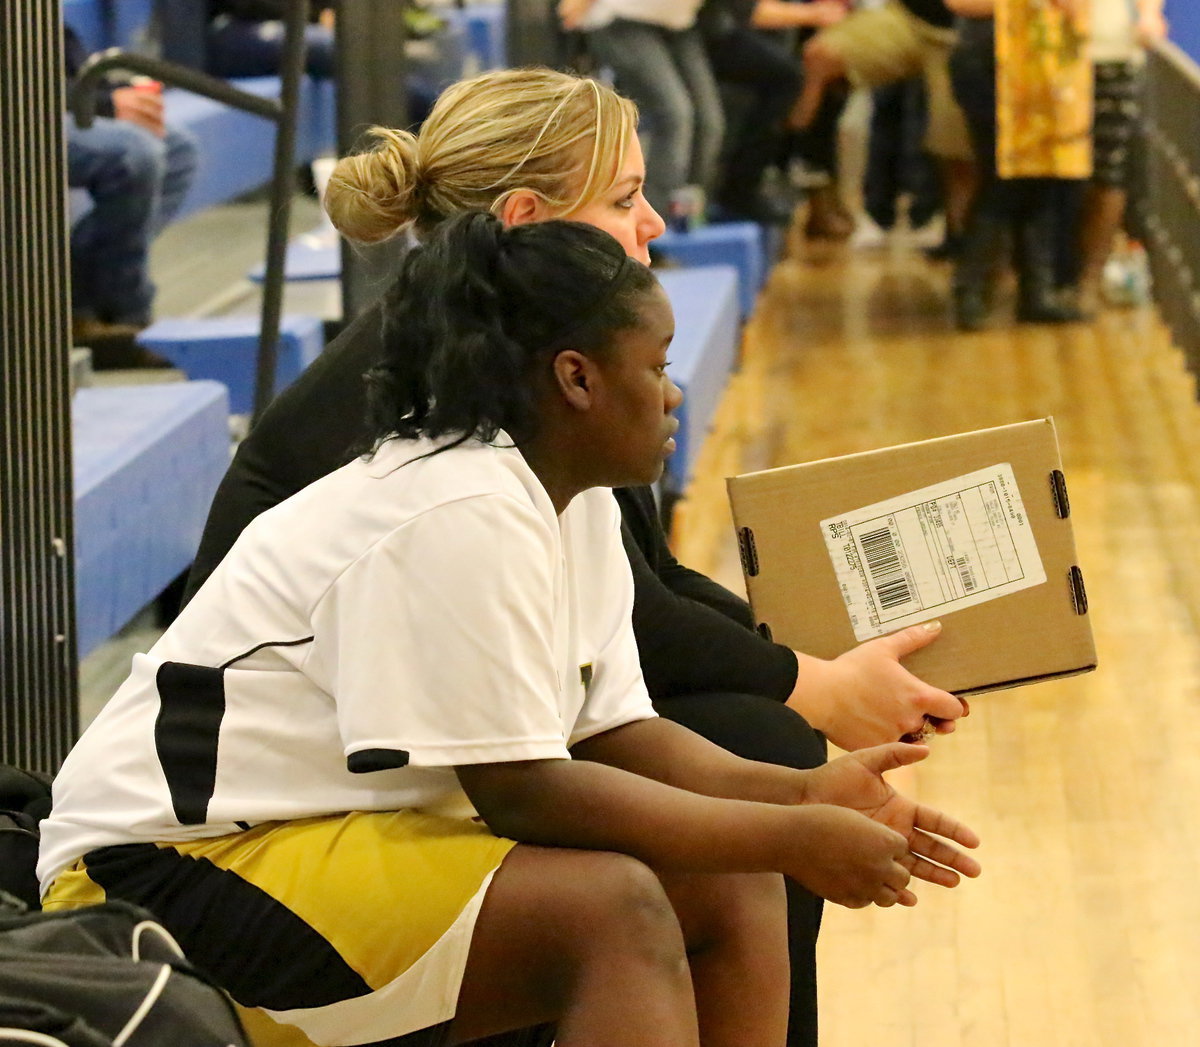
<point x="673" y="396"/>
<point x="650" y="224"/>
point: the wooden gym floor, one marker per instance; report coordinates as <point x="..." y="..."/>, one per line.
<point x="1085" y="926"/>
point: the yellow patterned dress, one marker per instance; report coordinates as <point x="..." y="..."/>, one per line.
<point x="1043" y="89"/>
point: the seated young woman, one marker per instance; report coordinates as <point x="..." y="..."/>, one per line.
<point x="527" y="145"/>
<point x="394" y="769"/>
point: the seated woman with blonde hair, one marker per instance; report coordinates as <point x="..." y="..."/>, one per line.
<point x="527" y="145"/>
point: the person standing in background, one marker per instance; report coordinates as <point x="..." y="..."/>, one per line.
<point x="657" y="54"/>
<point x="1119" y="32"/>
<point x="1022" y="76"/>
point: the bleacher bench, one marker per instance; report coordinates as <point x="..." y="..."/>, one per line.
<point x="702" y="356"/>
<point x="147" y="461"/>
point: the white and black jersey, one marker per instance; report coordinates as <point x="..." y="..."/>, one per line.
<point x="394" y="619"/>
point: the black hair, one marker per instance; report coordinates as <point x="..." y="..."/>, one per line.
<point x="478" y="308"/>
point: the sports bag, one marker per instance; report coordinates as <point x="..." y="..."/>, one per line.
<point x="24" y="802"/>
<point x="105" y="976"/>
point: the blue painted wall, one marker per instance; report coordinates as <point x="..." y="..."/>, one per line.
<point x="1184" y="19"/>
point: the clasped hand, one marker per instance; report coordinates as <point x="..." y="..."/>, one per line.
<point x="872" y="861"/>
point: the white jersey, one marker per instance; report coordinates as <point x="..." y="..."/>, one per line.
<point x="669" y="14"/>
<point x="1113" y="31"/>
<point x="391" y="621"/>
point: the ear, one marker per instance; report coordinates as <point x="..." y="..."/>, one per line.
<point x="523" y="207"/>
<point x="574" y="379"/>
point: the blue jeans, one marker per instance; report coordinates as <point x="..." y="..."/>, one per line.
<point x="668" y="74"/>
<point x="136" y="181"/>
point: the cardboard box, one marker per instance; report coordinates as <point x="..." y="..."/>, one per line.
<point x="972" y="529"/>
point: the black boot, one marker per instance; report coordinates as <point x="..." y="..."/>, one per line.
<point x="981" y="243"/>
<point x="1037" y="300"/>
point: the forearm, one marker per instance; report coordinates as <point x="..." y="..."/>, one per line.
<point x="588" y="805"/>
<point x="670" y="753"/>
<point x="782" y="14"/>
<point x="972" y="8"/>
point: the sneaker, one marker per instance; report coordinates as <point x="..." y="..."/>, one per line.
<point x="868" y="234"/>
<point x="947" y="250"/>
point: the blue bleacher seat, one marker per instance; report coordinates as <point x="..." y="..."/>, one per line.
<point x="237" y="149"/>
<point x="148" y="459"/>
<point x="703" y="354"/>
<point x="740" y="244"/>
<point x="225" y="350"/>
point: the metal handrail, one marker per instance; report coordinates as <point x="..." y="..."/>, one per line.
<point x="283" y="111"/>
<point x="82" y="93"/>
<point x="1184" y="64"/>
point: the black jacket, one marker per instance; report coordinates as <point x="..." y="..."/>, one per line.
<point x="693" y="635"/>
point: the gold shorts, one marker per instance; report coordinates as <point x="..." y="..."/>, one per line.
<point x="886" y="44"/>
<point x="345" y="929"/>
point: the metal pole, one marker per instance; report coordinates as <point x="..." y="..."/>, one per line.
<point x="39" y="713"/>
<point x="533" y="34"/>
<point x="291" y="74"/>
<point x="370" y="90"/>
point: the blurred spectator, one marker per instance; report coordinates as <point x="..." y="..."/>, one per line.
<point x="657" y="55"/>
<point x="758" y="81"/>
<point x="753" y="56"/>
<point x="245" y="37"/>
<point x="1119" y="31"/>
<point x="1023" y="80"/>
<point x="898" y="40"/>
<point x="137" y="171"/>
<point x="897" y="166"/>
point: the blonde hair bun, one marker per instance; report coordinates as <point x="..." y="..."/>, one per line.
<point x="372" y="195"/>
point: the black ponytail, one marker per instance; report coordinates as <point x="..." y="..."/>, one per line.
<point x="478" y="308"/>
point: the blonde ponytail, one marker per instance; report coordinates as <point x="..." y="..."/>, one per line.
<point x="372" y="196"/>
<point x="561" y="137"/>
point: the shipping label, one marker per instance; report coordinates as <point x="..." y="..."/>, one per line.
<point x="920" y="555"/>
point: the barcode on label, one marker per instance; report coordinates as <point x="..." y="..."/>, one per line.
<point x="966" y="574"/>
<point x="883" y="561"/>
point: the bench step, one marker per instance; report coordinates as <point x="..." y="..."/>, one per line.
<point x="225" y="349"/>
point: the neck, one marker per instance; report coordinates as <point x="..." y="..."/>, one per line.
<point x="554" y="470"/>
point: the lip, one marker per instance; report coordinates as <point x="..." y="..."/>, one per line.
<point x="669" y="444"/>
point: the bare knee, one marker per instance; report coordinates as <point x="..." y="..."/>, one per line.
<point x="559" y="926"/>
<point x="822" y="61"/>
<point x="719" y="910"/>
<point x="624" y="907"/>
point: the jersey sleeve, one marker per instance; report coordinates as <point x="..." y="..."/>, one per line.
<point x="616" y="692"/>
<point x="438" y="642"/>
